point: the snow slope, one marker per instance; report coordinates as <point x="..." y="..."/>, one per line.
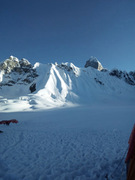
<point x="81" y="143"/>
<point x="61" y="85"/>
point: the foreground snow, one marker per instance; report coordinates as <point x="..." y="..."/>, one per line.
<point x="77" y="143"/>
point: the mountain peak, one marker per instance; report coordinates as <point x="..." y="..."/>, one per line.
<point x="14" y="71"/>
<point x="93" y="62"/>
<point x="13" y="63"/>
<point x="55" y="85"/>
<point x="13" y="58"/>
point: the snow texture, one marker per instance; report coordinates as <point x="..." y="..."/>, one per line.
<point x="70" y="143"/>
<point x="74" y="126"/>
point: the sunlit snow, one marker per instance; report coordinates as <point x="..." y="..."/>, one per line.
<point x="75" y="126"/>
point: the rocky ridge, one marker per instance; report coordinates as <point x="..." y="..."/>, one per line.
<point x="15" y="71"/>
<point x="127" y="77"/>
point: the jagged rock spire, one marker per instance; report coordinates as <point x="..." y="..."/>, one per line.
<point x="93" y="62"/>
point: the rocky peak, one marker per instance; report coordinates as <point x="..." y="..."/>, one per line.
<point x="15" y="71"/>
<point x="9" y="64"/>
<point x="14" y="64"/>
<point x="93" y="62"/>
<point x="25" y="63"/>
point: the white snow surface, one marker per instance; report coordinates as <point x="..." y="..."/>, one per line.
<point x="75" y="126"/>
<point x="80" y="143"/>
<point x="64" y="85"/>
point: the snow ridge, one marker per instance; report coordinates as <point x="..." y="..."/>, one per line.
<point x="53" y="85"/>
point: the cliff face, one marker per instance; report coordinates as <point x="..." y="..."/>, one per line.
<point x="14" y="71"/>
<point x="93" y="62"/>
<point x="127" y="77"/>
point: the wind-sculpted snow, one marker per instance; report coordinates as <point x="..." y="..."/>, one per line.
<point x="74" y="144"/>
<point x="55" y="85"/>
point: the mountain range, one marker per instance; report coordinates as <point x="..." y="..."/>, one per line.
<point x="42" y="86"/>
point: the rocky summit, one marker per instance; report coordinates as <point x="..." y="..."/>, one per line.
<point x="14" y="71"/>
<point x="93" y="62"/>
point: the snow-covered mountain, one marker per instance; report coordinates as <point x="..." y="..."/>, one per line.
<point x="88" y="141"/>
<point x="54" y="85"/>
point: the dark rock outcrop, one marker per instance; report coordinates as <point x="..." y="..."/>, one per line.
<point x="33" y="87"/>
<point x="15" y="71"/>
<point x="98" y="81"/>
<point x="93" y="62"/>
<point x="127" y="77"/>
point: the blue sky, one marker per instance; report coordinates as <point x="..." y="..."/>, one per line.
<point x="69" y="30"/>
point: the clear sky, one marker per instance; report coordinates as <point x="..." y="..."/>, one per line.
<point x="69" y="31"/>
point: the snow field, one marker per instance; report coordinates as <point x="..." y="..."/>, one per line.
<point x="77" y="143"/>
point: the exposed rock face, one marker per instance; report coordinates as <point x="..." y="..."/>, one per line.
<point x="33" y="87"/>
<point x="93" y="62"/>
<point x="16" y="65"/>
<point x="69" y="67"/>
<point x="132" y="73"/>
<point x="9" y="64"/>
<point x="15" y="71"/>
<point x="66" y="66"/>
<point x="98" y="81"/>
<point x="128" y="77"/>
